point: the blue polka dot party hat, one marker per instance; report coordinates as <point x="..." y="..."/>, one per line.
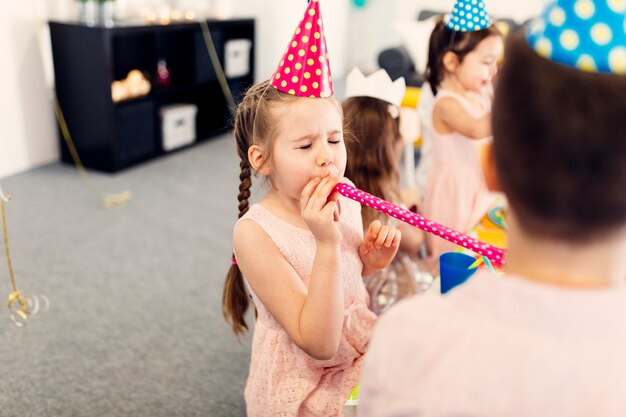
<point x="469" y="16"/>
<point x="586" y="34"/>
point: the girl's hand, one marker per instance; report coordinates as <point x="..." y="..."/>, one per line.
<point x="379" y="247"/>
<point x="319" y="207"/>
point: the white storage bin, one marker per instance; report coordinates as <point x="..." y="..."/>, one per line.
<point x="237" y="57"/>
<point x="178" y="125"/>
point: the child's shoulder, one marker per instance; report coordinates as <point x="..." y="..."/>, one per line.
<point x="248" y="224"/>
<point x="254" y="211"/>
<point x="258" y="221"/>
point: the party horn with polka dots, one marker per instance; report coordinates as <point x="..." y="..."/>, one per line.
<point x="494" y="254"/>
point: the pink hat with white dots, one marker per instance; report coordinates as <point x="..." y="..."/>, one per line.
<point x="304" y="69"/>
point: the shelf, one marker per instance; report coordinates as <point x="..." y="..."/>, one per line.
<point x="112" y="136"/>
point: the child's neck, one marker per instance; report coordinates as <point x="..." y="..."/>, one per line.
<point x="285" y="208"/>
<point x="598" y="264"/>
<point x="452" y="83"/>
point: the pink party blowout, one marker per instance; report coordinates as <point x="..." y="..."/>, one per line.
<point x="494" y="254"/>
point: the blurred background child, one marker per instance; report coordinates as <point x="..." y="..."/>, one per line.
<point x="537" y="340"/>
<point x="372" y="119"/>
<point x="462" y="60"/>
<point x="425" y="113"/>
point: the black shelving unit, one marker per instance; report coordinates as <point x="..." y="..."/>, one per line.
<point x="112" y="136"/>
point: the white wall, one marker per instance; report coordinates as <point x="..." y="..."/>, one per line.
<point x="355" y="37"/>
<point x="276" y="22"/>
<point x="371" y="28"/>
<point x="28" y="132"/>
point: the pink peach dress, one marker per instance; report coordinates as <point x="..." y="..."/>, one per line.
<point x="456" y="192"/>
<point x="283" y="379"/>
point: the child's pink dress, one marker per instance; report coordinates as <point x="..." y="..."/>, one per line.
<point x="456" y="193"/>
<point x="284" y="380"/>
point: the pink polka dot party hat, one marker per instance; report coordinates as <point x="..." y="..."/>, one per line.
<point x="304" y="69"/>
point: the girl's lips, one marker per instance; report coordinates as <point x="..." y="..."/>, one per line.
<point x="331" y="170"/>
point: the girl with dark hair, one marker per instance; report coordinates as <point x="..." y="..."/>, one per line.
<point x="463" y="55"/>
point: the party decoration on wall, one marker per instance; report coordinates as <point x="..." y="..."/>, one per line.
<point x="376" y="85"/>
<point x="469" y="16"/>
<point x="20" y="306"/>
<point x="494" y="254"/>
<point x="586" y="34"/>
<point x="304" y="69"/>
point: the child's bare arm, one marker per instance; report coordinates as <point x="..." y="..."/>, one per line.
<point x="450" y="116"/>
<point x="304" y="314"/>
<point x="312" y="317"/>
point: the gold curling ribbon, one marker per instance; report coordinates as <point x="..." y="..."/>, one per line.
<point x="109" y="200"/>
<point x="21" y="308"/>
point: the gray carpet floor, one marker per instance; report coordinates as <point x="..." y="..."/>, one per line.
<point x="134" y="326"/>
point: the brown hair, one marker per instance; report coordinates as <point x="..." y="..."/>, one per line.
<point x="372" y="160"/>
<point x="254" y="123"/>
<point x="560" y="145"/>
<point x="442" y="40"/>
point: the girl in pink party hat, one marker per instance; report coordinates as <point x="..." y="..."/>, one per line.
<point x="548" y="337"/>
<point x="300" y="254"/>
<point x="462" y="61"/>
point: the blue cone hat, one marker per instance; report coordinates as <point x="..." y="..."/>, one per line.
<point x="469" y="16"/>
<point x="586" y="34"/>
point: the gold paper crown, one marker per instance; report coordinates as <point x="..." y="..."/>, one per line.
<point x="377" y="85"/>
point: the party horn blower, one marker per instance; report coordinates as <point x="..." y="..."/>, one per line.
<point x="494" y="254"/>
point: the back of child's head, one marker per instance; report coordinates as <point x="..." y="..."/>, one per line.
<point x="443" y="39"/>
<point x="372" y="156"/>
<point x="560" y="145"/>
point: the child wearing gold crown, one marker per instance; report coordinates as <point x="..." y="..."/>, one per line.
<point x="372" y="119"/>
<point x="300" y="254"/>
<point x="547" y="338"/>
<point x="462" y="61"/>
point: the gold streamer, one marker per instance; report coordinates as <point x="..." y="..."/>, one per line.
<point x="65" y="132"/>
<point x="17" y="302"/>
<point x="108" y="200"/>
<point x="215" y="60"/>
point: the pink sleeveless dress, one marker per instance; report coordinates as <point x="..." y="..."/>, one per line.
<point x="284" y="380"/>
<point x="456" y="192"/>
